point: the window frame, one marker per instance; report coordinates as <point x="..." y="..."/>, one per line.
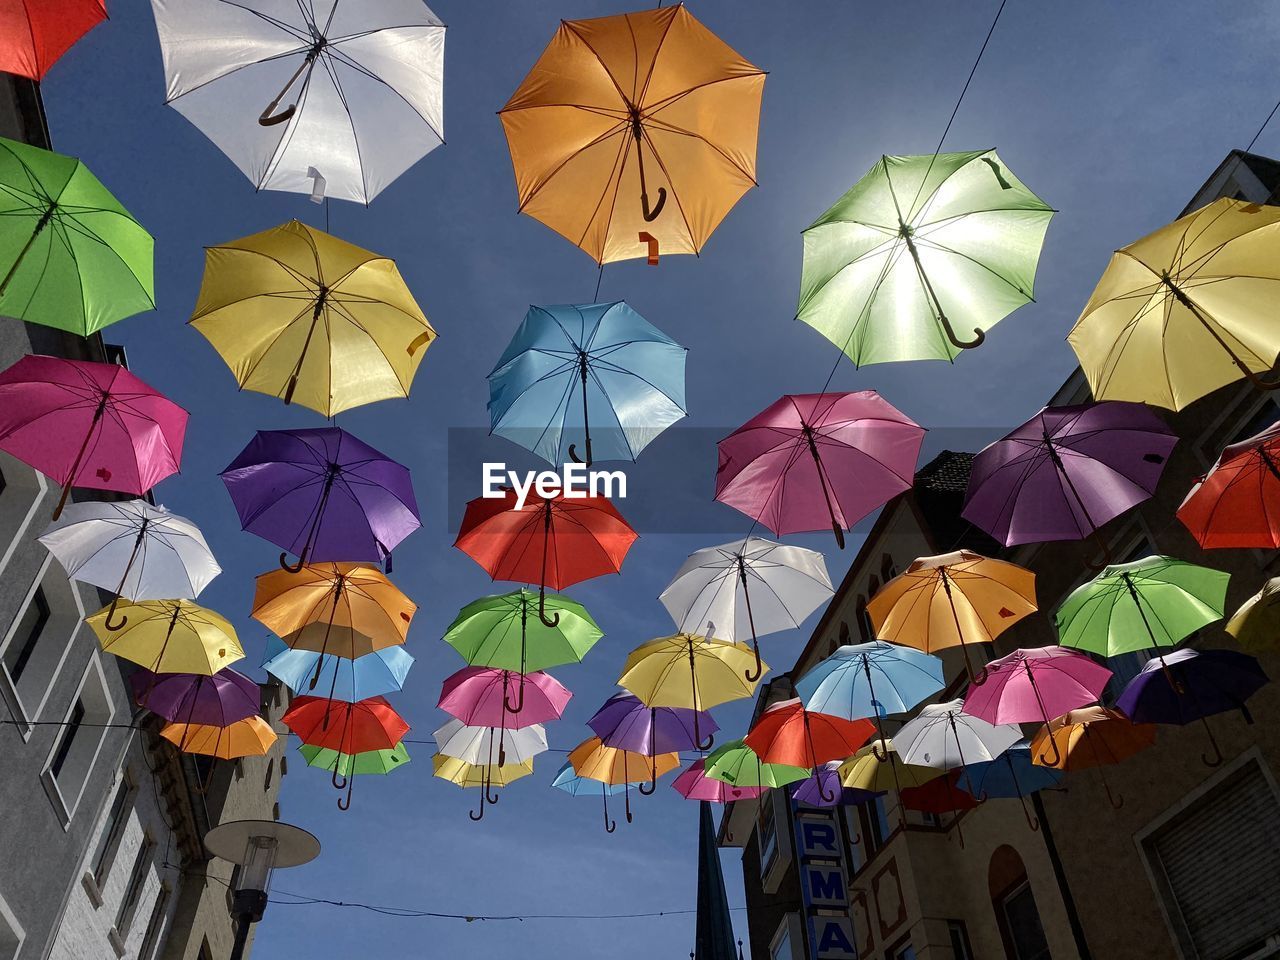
<point x="139" y="873"/>
<point x="64" y="808"/>
<point x="104" y="859"/>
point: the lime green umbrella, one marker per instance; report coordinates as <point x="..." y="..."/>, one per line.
<point x="505" y="632"/>
<point x="737" y="764"/>
<point x="1156" y="602"/>
<point x="348" y="765"/>
<point x="921" y="251"/>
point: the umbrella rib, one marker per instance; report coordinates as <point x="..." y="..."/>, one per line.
<point x="665" y="127"/>
<point x="612" y="185"/>
<point x="340" y="57"/>
<point x="550" y="175"/>
<point x="351" y="120"/>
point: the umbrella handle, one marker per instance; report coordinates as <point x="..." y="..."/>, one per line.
<point x="609" y="825"/>
<point x="651" y="215"/>
<point x="978" y="337"/>
<point x="652" y="241"/>
<point x="835" y="527"/>
<point x="626" y="793"/>
<point x="111" y="611"/>
<point x="491" y="799"/>
<point x="880" y="751"/>
<point x="653" y="779"/>
<point x="554" y="619"/>
<point x="292" y="568"/>
<point x="754" y="674"/>
<point x="1032" y="821"/>
<point x="266" y="118"/>
<point x="338" y="780"/>
<point x="573" y="453"/>
<point x="478" y="816"/>
<point x="351" y="782"/>
<point x="979" y="678"/>
<point x="1216" y="759"/>
<point x="711" y="740"/>
<point x="1057" y="753"/>
<point x="822" y="791"/>
<point x="519" y="704"/>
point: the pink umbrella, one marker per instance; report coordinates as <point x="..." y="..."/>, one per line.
<point x="1034" y="685"/>
<point x="478" y="696"/>
<point x="694" y="784"/>
<point x="88" y="424"/>
<point x="818" y="459"/>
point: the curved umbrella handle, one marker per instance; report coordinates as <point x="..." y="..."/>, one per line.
<point x="609" y="824"/>
<point x="519" y="704"/>
<point x="351" y="782"/>
<point x="292" y="568"/>
<point x="653" y="779"/>
<point x="1216" y="759"/>
<point x="267" y="118"/>
<point x="856" y="839"/>
<point x="1032" y="821"/>
<point x="492" y="800"/>
<point x="573" y="453"/>
<point x="880" y="750"/>
<point x="554" y="619"/>
<point x="473" y="814"/>
<point x="651" y="215"/>
<point x="111" y="612"/>
<point x="822" y="791"/>
<point x="979" y="678"/>
<point x="978" y="337"/>
<point x="711" y="742"/>
<point x="1057" y="753"/>
<point x="339" y="782"/>
<point x="754" y="674"/>
<point x="626" y="793"/>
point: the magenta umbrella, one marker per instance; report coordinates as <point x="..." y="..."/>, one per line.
<point x="85" y="424"/>
<point x="478" y="696"/>
<point x="1035" y="685"/>
<point x="694" y="784"/>
<point x="815" y="460"/>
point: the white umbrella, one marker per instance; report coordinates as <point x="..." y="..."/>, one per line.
<point x="480" y="747"/>
<point x="943" y="735"/>
<point x="138" y="551"/>
<point x="745" y="589"/>
<point x="358" y="87"/>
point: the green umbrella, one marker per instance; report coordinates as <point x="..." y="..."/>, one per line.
<point x="919" y="252"/>
<point x="505" y="632"/>
<point x="737" y="764"/>
<point x="348" y="765"/>
<point x="1156" y="602"/>
<point x="71" y="256"/>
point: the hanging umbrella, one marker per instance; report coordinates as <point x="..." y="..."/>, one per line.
<point x="301" y="315"/>
<point x="363" y="84"/>
<point x="35" y="34"/>
<point x="568" y="780"/>
<point x="1237" y="504"/>
<point x="135" y="550"/>
<point x="953" y="599"/>
<point x="918" y="252"/>
<point x="372" y="675"/>
<point x="479" y="697"/>
<point x="940" y="795"/>
<point x="617" y="98"/>
<point x="468" y="775"/>
<point x="817" y="459"/>
<point x="1257" y="623"/>
<point x="694" y="784"/>
<point x="687" y="671"/>
<point x="629" y="374"/>
<point x="1067" y="471"/>
<point x="738" y="765"/>
<point x="72" y="257"/>
<point x="713" y="589"/>
<point x="169" y="636"/>
<point x="323" y="495"/>
<point x="250" y="737"/>
<point x="350" y="765"/>
<point x="1035" y="684"/>
<point x="788" y="734"/>
<point x="871" y="680"/>
<point x="824" y="789"/>
<point x="1012" y="774"/>
<point x="346" y="727"/>
<point x="88" y="424"/>
<point x="625" y="722"/>
<point x="218" y="700"/>
<point x="592" y="760"/>
<point x="1193" y="300"/>
<point x="479" y="747"/>
<point x="1207" y="682"/>
<point x="1092" y="737"/>
<point x="878" y="768"/>
<point x="554" y="542"/>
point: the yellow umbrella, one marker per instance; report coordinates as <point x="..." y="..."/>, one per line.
<point x="1187" y="309"/>
<point x="613" y="766"/>
<point x="865" y="770"/>
<point x="477" y="775"/>
<point x="251" y="737"/>
<point x="635" y="131"/>
<point x="953" y="599"/>
<point x="301" y="315"/>
<point x="1257" y="623"/>
<point x="170" y="636"/>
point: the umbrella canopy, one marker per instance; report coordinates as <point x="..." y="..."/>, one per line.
<point x="89" y="424"/>
<point x="943" y="735"/>
<point x="251" y="737"/>
<point x="301" y="315"/>
<point x="34" y="35"/>
<point x="478" y="775"/>
<point x="219" y="700"/>
<point x="627" y="723"/>
<point x="374" y="674"/>
<point x="815" y="460"/>
<point x="1148" y="604"/>
<point x="569" y="781"/>
<point x="870" y="680"/>
<point x="866" y="771"/>
<point x="1035" y="684"/>
<point x="694" y="784"/>
<point x="358" y="89"/>
<point x="506" y="632"/>
<point x="953" y="599"/>
<point x="1257" y="623"/>
<point x="789" y="734"/>
<point x="570" y="366"/>
<point x="72" y="257"/>
<point x="169" y="636"/>
<point x="919" y="252"/>
<point x="640" y="123"/>
<point x="1237" y="504"/>
<point x="346" y="727"/>
<point x="322" y="495"/>
<point x="940" y="795"/>
<point x="481" y="697"/>
<point x="1012" y="774"/>
<point x="593" y="760"/>
<point x="1192" y="300"/>
<point x="1067" y="471"/>
<point x="738" y="765"/>
<point x="1091" y="737"/>
<point x="824" y="789"/>
<point x="376" y="762"/>
<point x="481" y="746"/>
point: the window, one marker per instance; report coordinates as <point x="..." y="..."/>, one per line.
<point x="271" y="772"/>
<point x="959" y="935"/>
<point x="888" y="569"/>
<point x="68" y="738"/>
<point x="869" y="823"/>
<point x="137" y="879"/>
<point x="75" y="749"/>
<point x="112" y="828"/>
<point x="22" y="644"/>
<point x="901" y="951"/>
<point x="767" y="834"/>
<point x="1020" y="922"/>
<point x="865" y="626"/>
<point x="784" y="945"/>
<point x="35" y="643"/>
<point x="12" y="935"/>
<point x="151" y="939"/>
<point x="845" y="637"/>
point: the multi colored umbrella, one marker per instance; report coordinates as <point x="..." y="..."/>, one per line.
<point x="712" y="590"/>
<point x="1192" y="300"/>
<point x="479" y="697"/>
<point x="1257" y="623"/>
<point x="694" y="784"/>
<point x="137" y="551"/>
<point x="1237" y="503"/>
<point x="322" y="495"/>
<point x="953" y="599"/>
<point x="72" y="257"/>
<point x="738" y="765"/>
<point x="482" y="776"/>
<point x="630" y="376"/>
<point x="1012" y="774"/>
<point x="301" y="315"/>
<point x="217" y="701"/>
<point x="554" y="541"/>
<point x="1092" y="737"/>
<point x="1067" y="471"/>
<point x="349" y="765"/>
<point x="169" y="636"/>
<point x="34" y="35"/>
<point x="817" y="459"/>
<point x="615" y="98"/>
<point x="1206" y="682"/>
<point x="919" y="251"/>
<point x="788" y="734"/>
<point x="250" y="737"/>
<point x="370" y="724"/>
<point x="87" y="424"/>
<point x="592" y="760"/>
<point x="627" y="723"/>
<point x="366" y="82"/>
<point x="824" y="789"/>
<point x="374" y="674"/>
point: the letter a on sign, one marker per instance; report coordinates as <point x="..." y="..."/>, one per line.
<point x="834" y="937"/>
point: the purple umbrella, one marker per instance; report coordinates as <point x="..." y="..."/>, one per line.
<point x="1067" y="471"/>
<point x="1191" y="685"/>
<point x="824" y="784"/>
<point x="322" y="495"/>
<point x="626" y="723"/>
<point x="225" y="698"/>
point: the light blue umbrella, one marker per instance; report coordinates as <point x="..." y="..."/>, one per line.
<point x="569" y="781"/>
<point x="595" y="372"/>
<point x="348" y="680"/>
<point x="1012" y="774"/>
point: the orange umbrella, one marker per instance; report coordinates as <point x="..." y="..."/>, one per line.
<point x="251" y="737"/>
<point x="633" y="132"/>
<point x="1092" y="737"/>
<point x="613" y="766"/>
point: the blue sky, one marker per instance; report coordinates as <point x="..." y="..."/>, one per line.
<point x="1114" y="113"/>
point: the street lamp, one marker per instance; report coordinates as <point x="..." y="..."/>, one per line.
<point x="259" y="847"/>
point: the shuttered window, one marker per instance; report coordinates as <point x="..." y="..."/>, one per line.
<point x="1219" y="865"/>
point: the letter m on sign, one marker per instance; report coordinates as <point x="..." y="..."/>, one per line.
<point x="826" y="886"/>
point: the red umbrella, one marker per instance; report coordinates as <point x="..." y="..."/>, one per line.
<point x="370" y="724"/>
<point x="1237" y="504"/>
<point x="553" y="542"/>
<point x="789" y="734"/>
<point x="35" y="33"/>
<point x="940" y="795"/>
